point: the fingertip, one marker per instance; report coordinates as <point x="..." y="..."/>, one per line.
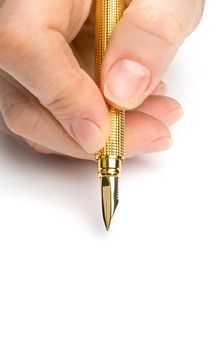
<point x="142" y="130"/>
<point x="158" y="145"/>
<point x="164" y="108"/>
<point x="173" y="116"/>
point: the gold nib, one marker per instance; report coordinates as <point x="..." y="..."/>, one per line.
<point x="109" y="194"/>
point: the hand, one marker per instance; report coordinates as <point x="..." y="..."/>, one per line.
<point x="47" y="92"/>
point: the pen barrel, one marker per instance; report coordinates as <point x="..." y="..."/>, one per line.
<point x="108" y="13"/>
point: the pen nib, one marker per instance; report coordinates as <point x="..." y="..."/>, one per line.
<point x="109" y="192"/>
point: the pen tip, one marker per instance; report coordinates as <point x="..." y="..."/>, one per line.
<point x="109" y="193"/>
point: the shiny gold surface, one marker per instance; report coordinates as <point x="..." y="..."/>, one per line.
<point x="109" y="195"/>
<point x="108" y="13"/>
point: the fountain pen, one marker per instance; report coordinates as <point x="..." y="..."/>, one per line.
<point x="109" y="158"/>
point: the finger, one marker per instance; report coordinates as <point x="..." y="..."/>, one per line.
<point x="26" y="118"/>
<point x="160" y="89"/>
<point x="163" y="108"/>
<point x="142" y="46"/>
<point x="41" y="60"/>
<point x="40" y="149"/>
<point x="42" y="130"/>
<point x="151" y="136"/>
<point x="145" y="134"/>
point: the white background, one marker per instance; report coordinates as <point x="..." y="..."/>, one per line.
<point x="65" y="283"/>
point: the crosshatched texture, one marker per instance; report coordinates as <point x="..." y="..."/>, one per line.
<point x="108" y="13"/>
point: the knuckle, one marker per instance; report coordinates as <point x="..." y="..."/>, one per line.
<point x="13" y="126"/>
<point x="38" y="148"/>
<point x="19" y="121"/>
<point x="14" y="121"/>
<point x="57" y="103"/>
<point x="162" y="23"/>
<point x="15" y="41"/>
<point x="66" y="99"/>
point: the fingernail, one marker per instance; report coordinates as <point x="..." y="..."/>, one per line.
<point x="158" y="145"/>
<point x="126" y="82"/>
<point x="173" y="116"/>
<point x="87" y="134"/>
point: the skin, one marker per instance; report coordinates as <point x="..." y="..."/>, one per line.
<point x="47" y="73"/>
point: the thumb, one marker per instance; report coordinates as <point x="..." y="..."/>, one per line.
<point x="142" y="46"/>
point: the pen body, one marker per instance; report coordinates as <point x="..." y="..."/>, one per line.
<point x="108" y="13"/>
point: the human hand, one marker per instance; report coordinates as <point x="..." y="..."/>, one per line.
<point x="47" y="92"/>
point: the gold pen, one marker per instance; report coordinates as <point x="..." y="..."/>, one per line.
<point x="109" y="158"/>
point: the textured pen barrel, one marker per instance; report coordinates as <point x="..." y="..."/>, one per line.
<point x="108" y="13"/>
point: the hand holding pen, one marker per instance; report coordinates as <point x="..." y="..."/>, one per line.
<point x="48" y="94"/>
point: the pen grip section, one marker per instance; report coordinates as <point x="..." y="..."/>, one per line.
<point x="108" y="13"/>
